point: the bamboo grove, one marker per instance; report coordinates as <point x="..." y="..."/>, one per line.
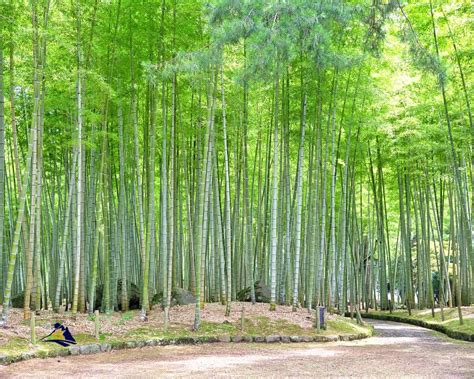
<point x="322" y="148"/>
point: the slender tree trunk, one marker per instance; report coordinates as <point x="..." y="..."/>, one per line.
<point x="80" y="194"/>
<point x="299" y="206"/>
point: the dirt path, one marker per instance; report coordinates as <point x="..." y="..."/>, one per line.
<point x="398" y="350"/>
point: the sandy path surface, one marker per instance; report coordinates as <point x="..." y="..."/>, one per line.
<point x="398" y="350"/>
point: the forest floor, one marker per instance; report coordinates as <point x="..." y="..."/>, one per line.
<point x="126" y="326"/>
<point x="397" y="350"/>
<point x="451" y="317"/>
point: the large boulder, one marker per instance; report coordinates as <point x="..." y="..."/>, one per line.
<point x="179" y="296"/>
<point x="133" y="296"/>
<point x="262" y="293"/>
<point x="17" y="301"/>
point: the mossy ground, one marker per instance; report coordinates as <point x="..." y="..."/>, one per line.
<point x="259" y="326"/>
<point x="255" y="326"/>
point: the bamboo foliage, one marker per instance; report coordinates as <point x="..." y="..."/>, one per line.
<point x="249" y="154"/>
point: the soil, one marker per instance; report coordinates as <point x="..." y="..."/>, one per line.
<point x="398" y="350"/>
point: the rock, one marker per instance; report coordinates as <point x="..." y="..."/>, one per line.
<point x="133" y="296"/>
<point x="224" y="338"/>
<point x="306" y="339"/>
<point x="105" y="347"/>
<point x="3" y="359"/>
<point x="272" y="339"/>
<point x="182" y="296"/>
<point x="131" y="345"/>
<point x="179" y="296"/>
<point x="184" y="341"/>
<point x="285" y="339"/>
<point x="17" y="301"/>
<point x="150" y="343"/>
<point x="236" y="339"/>
<point x="26" y="356"/>
<point x="75" y="350"/>
<point x="258" y="339"/>
<point x="227" y="322"/>
<point x="332" y="338"/>
<point x="247" y="339"/>
<point x="52" y="353"/>
<point x="210" y="339"/>
<point x="63" y="352"/>
<point x="89" y="349"/>
<point x="295" y="338"/>
<point x="140" y="343"/>
<point x="262" y="293"/>
<point x="320" y="339"/>
<point x="118" y="345"/>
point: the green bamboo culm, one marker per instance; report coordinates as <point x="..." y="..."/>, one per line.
<point x="247" y="156"/>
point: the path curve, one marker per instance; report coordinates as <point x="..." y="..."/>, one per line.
<point x="397" y="350"/>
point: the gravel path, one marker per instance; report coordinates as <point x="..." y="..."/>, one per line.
<point x="398" y="350"/>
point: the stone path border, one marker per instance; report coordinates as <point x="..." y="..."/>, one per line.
<point x="463" y="336"/>
<point x="119" y="345"/>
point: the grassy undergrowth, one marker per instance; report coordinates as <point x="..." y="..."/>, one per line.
<point x="258" y="326"/>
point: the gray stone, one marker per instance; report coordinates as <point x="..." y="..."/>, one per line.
<point x="52" y="353"/>
<point x="332" y="338"/>
<point x="131" y="345"/>
<point x="307" y="339"/>
<point x="224" y="338"/>
<point x="26" y="356"/>
<point x="150" y="343"/>
<point x="272" y="339"/>
<point x="258" y="339"/>
<point x="320" y="339"/>
<point x="3" y="359"/>
<point x="118" y="345"/>
<point x="179" y="296"/>
<point x="75" y="350"/>
<point x="63" y="352"/>
<point x="247" y="339"/>
<point x="295" y="338"/>
<point x="185" y="341"/>
<point x="182" y="296"/>
<point x="89" y="349"/>
<point x="285" y="339"/>
<point x="105" y="347"/>
<point x="237" y="339"/>
<point x="133" y="295"/>
<point x="208" y="339"/>
<point x="140" y="343"/>
<point x="262" y="293"/>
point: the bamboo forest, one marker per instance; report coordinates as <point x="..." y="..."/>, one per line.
<point x="305" y="154"/>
